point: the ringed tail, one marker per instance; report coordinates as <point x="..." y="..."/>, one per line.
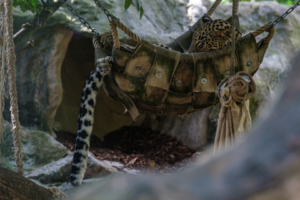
<point x="85" y="127"/>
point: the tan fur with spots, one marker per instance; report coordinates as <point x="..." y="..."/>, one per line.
<point x="212" y="35"/>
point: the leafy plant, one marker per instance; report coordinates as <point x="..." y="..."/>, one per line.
<point x="27" y="5"/>
<point x="138" y="6"/>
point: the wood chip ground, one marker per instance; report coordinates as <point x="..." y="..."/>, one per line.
<point x="138" y="148"/>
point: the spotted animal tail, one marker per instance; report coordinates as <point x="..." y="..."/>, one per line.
<point x="85" y="126"/>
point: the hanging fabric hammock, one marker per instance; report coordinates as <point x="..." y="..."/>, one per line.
<point x="159" y="80"/>
<point x="163" y="81"/>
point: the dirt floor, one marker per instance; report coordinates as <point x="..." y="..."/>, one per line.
<point x="138" y="148"/>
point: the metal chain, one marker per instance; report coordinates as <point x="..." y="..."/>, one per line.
<point x="291" y="9"/>
<point x="83" y="21"/>
<point x="112" y="17"/>
<point x="109" y="16"/>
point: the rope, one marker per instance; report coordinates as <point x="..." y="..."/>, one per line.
<point x="2" y="75"/>
<point x="261" y="30"/>
<point x="57" y="193"/>
<point x="270" y="35"/>
<point x="11" y="59"/>
<point x="213" y="7"/>
<point x="127" y="31"/>
<point x="264" y="28"/>
<point x="114" y="33"/>
<point x="235" y="7"/>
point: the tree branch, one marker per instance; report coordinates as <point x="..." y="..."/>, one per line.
<point x="15" y="186"/>
<point x="38" y="21"/>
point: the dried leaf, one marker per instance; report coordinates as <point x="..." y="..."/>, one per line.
<point x="131" y="162"/>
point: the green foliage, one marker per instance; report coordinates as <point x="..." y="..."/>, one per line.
<point x="127" y="4"/>
<point x="27" y="5"/>
<point x="141" y="12"/>
<point x="138" y="6"/>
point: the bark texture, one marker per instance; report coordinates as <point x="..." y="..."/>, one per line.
<point x="16" y="187"/>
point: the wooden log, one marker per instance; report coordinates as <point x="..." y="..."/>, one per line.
<point x="263" y="165"/>
<point x="17" y="187"/>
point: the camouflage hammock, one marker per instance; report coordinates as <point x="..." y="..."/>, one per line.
<point x="163" y="81"/>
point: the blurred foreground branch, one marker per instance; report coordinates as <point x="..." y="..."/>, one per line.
<point x="15" y="186"/>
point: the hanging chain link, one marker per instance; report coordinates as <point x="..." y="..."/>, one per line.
<point x="83" y="21"/>
<point x="109" y="16"/>
<point x="291" y="9"/>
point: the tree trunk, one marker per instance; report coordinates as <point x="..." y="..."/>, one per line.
<point x="16" y="187"/>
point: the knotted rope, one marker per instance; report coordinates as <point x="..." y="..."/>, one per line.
<point x="234" y="93"/>
<point x="103" y="40"/>
<point x="11" y="59"/>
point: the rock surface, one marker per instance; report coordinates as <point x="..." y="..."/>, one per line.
<point x="59" y="171"/>
<point x="38" y="149"/>
<point x="191" y="129"/>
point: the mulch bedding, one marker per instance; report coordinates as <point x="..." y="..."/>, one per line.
<point x="138" y="148"/>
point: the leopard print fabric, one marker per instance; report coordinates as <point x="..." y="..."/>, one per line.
<point x="213" y="35"/>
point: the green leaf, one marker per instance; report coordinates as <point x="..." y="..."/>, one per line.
<point x="26" y="5"/>
<point x="127" y="4"/>
<point x="141" y="12"/>
<point x="137" y="5"/>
